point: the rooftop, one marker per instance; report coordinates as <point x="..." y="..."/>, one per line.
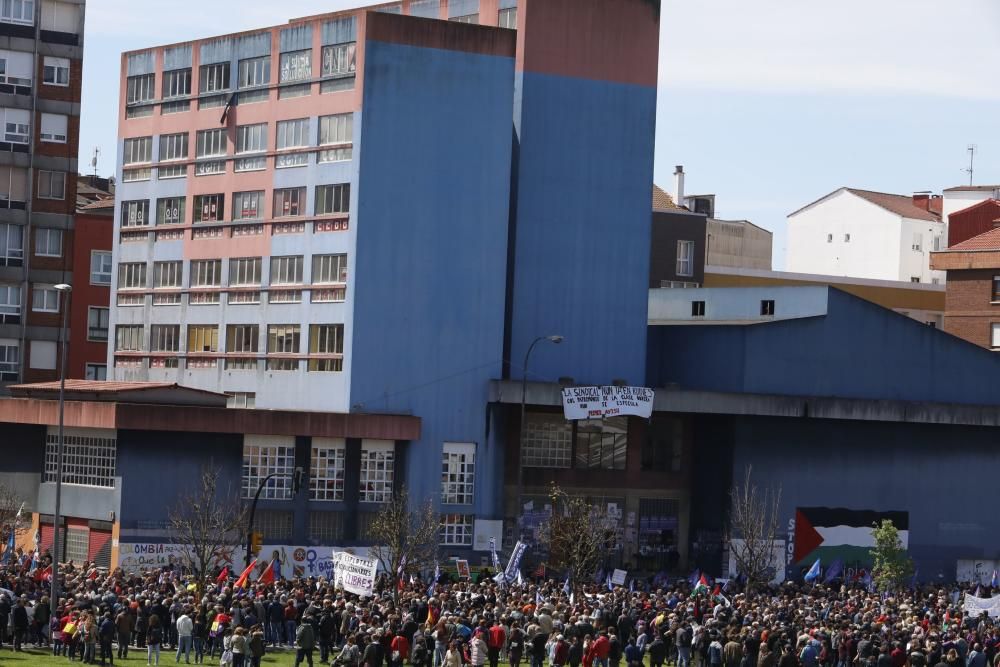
<point x="124" y="392"/>
<point x="973" y="188"/>
<point x="901" y="205"/>
<point x="662" y="201"/>
<point x="986" y="241"/>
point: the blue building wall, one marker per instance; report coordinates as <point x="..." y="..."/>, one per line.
<point x="429" y="274"/>
<point x="582" y="226"/>
<point x="858" y="350"/>
<point x="917" y="468"/>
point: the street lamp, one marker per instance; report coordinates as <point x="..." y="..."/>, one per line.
<point x="524" y="392"/>
<point x="65" y="291"/>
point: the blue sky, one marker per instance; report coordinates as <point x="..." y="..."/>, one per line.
<point x="769" y="104"/>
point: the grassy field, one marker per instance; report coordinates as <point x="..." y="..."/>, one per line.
<point x="41" y="658"/>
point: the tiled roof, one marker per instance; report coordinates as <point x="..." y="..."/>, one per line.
<point x="973" y="188"/>
<point x="898" y="204"/>
<point x="94" y="386"/>
<point x="99" y="205"/>
<point x="986" y="241"/>
<point x="662" y="201"/>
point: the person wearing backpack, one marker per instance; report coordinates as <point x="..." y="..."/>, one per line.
<point x="305" y="641"/>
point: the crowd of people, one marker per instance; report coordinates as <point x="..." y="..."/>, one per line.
<point x="474" y="623"/>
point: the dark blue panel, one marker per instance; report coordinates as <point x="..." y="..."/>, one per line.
<point x="157" y="468"/>
<point x="583" y="227"/>
<point x="431" y="248"/>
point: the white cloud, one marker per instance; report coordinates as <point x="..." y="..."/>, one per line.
<point x="889" y="46"/>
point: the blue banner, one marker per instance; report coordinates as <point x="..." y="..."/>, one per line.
<point x="514" y="564"/>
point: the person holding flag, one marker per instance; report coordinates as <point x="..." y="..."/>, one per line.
<point x="702" y="586"/>
<point x="813" y="574"/>
<point x="243" y="579"/>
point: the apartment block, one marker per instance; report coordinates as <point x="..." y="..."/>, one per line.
<point x="41" y="63"/>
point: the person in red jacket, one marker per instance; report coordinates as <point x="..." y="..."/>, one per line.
<point x="496" y="638"/>
<point x="400" y="648"/>
<point x="561" y="655"/>
<point x="599" y="650"/>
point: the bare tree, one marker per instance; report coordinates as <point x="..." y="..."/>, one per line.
<point x="753" y="523"/>
<point x="209" y="522"/>
<point x="578" y="534"/>
<point x="405" y="541"/>
<point x="13" y="517"/>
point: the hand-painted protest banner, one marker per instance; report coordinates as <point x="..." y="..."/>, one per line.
<point x="510" y="572"/>
<point x="354" y="574"/>
<point x="974" y="606"/>
<point x="599" y="402"/>
<point x="462" y="566"/>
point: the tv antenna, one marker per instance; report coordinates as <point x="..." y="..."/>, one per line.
<point x="972" y="157"/>
<point x="93" y="160"/>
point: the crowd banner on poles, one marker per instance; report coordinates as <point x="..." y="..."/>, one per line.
<point x="355" y="574"/>
<point x="974" y="606"/>
<point x="514" y="564"/>
<point x="618" y="577"/>
<point x="598" y="402"/>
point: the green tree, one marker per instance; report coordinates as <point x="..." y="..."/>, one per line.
<point x="891" y="567"/>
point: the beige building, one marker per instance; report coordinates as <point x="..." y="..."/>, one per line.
<point x="738" y="244"/>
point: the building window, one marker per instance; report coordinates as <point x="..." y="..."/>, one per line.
<point x="96" y="372"/>
<point x="165" y="338"/>
<point x="458" y="473"/>
<point x="326" y="526"/>
<point x="9" y="359"/>
<point x="170" y="211"/>
<point x="996" y="288"/>
<point x="289" y="202"/>
<point x="88" y="457"/>
<point x="16" y="68"/>
<point x="10" y="304"/>
<point x="51" y="184"/>
<point x="326" y="339"/>
<point x="507" y="18"/>
<point x="173" y="146"/>
<point x="177" y="83"/>
<point x="168" y="275"/>
<point x="242" y="339"/>
<point x="917" y="242"/>
<point x="340" y="59"/>
<point x="13" y="187"/>
<point x="767" y="307"/>
<point x="55" y="71"/>
<point x="456" y="530"/>
<point x="132" y="275"/>
<point x="254" y="72"/>
<point x="548" y="441"/>
<point x="128" y="338"/>
<point x="336" y="131"/>
<point x="135" y="213"/>
<point x="54" y="128"/>
<point x="685" y="258"/>
<point x="658" y="523"/>
<point x="326" y="469"/>
<point x="292" y="134"/>
<point x="329" y="269"/>
<point x="602" y="444"/>
<point x="42" y="355"/>
<point x="377" y="463"/>
<point x="995" y="335"/>
<point x="241" y="399"/>
<point x="914" y="279"/>
<point x="251" y="139"/>
<point x="296" y="66"/>
<point x="275" y="525"/>
<point x="11" y="245"/>
<point x="468" y="18"/>
<point x="209" y="208"/>
<point x="97" y="323"/>
<point x="203" y="338"/>
<point x="829" y="238"/>
<point x="286" y="270"/>
<point x="17" y="126"/>
<point x="697" y="309"/>
<point x="333" y="199"/>
<point x="263" y="456"/>
<point x="213" y="78"/>
<point x="48" y="242"/>
<point x="244" y="272"/>
<point x="847" y="238"/>
<point x="18" y="11"/>
<point x="283" y="339"/>
<point x="138" y="150"/>
<point x="139" y="89"/>
<point x="248" y="205"/>
<point x="206" y="273"/>
<point x="211" y="143"/>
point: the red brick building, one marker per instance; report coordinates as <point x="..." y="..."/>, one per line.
<point x="973" y="221"/>
<point x="972" y="295"/>
<point x="89" y="306"/>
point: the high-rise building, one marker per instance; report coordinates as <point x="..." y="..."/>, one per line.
<point x="41" y="63"/>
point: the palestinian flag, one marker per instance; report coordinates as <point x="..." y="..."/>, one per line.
<point x="701" y="587"/>
<point x="832" y="533"/>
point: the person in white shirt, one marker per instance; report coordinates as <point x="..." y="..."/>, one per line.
<point x="185" y="628"/>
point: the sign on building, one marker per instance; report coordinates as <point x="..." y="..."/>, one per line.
<point x="599" y="402"/>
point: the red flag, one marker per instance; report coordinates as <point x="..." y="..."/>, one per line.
<point x="93" y="575"/>
<point x="245" y="577"/>
<point x="267" y="576"/>
<point x="716" y="590"/>
<point x="44" y="575"/>
<point x="540" y="570"/>
<point x="222" y="575"/>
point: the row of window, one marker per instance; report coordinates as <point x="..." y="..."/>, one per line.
<point x="48" y="243"/>
<point x="241" y="341"/>
<point x="44" y="299"/>
<point x="284" y="271"/>
<point x="215" y="80"/>
<point x="17" y="71"/>
<point x="334" y="136"/>
<point x="54" y="15"/>
<point x="330" y="199"/>
<point x="53" y="127"/>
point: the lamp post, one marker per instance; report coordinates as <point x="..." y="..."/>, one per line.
<point x="65" y="291"/>
<point x="524" y="392"/>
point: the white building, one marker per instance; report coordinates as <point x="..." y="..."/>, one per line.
<point x="962" y="197"/>
<point x="866" y="234"/>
